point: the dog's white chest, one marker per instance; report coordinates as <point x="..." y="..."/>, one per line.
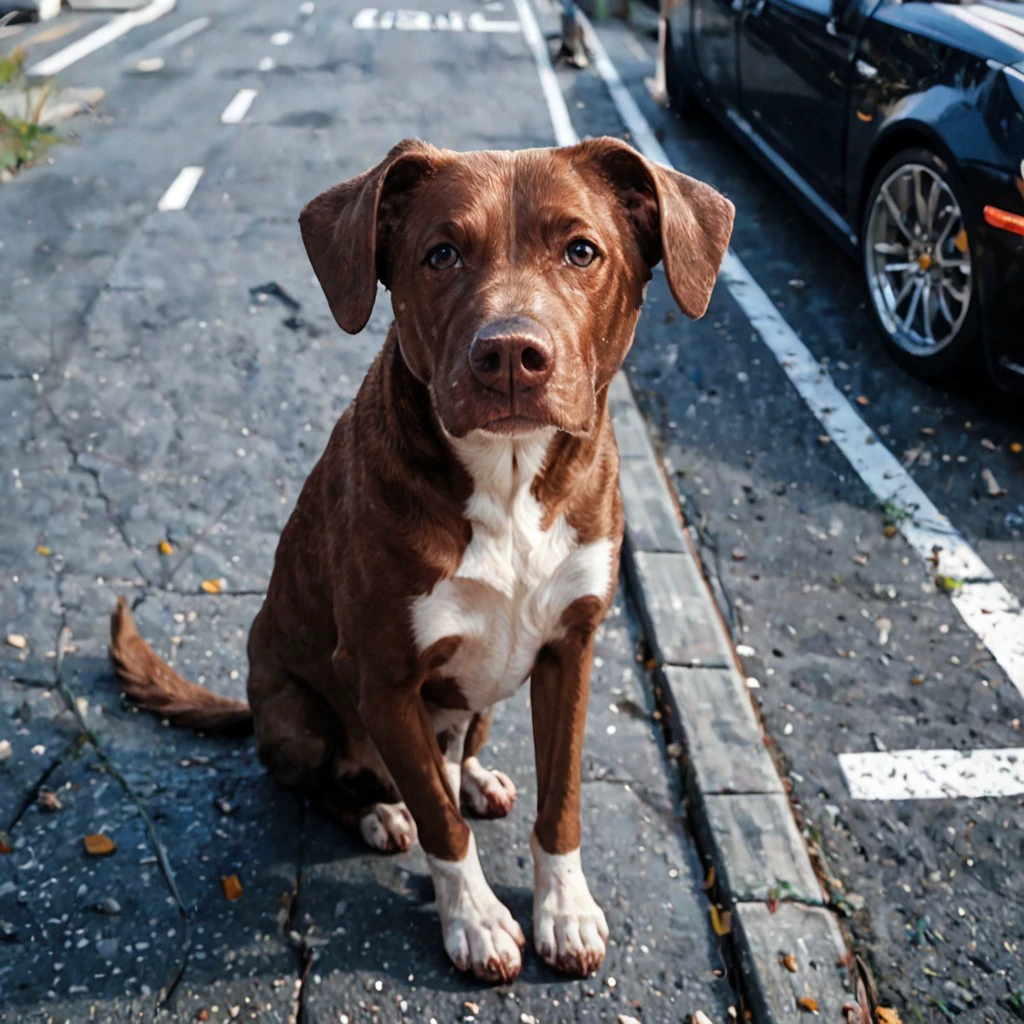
<point x="509" y="593"/>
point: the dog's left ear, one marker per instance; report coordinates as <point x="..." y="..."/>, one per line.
<point x="346" y="230"/>
<point x="676" y="218"/>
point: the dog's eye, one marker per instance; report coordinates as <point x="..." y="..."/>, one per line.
<point x="581" y="253"/>
<point x="444" y="257"/>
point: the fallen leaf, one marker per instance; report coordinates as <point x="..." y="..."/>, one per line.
<point x="43" y="550"/>
<point x="917" y="681"/>
<point x="472" y="1007"/>
<point x="49" y="801"/>
<point x="808" y="1004"/>
<point x="887" y="1015"/>
<point x="5" y="842"/>
<point x="991" y="483"/>
<point x="789" y="962"/>
<point x="1016" y="447"/>
<point x="709" y="878"/>
<point x="650" y="664"/>
<point x="721" y="921"/>
<point x="165" y="547"/>
<point x="98" y="845"/>
<point x="947" y="584"/>
<point x="862" y="400"/>
<point x="210" y="586"/>
<point x="890" y="530"/>
<point x="232" y="887"/>
<point x="772" y="903"/>
<point x="203" y="1014"/>
<point x="17" y="641"/>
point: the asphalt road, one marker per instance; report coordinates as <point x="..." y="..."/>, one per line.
<point x="148" y="394"/>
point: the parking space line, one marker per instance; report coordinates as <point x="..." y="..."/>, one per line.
<point x="986" y="606"/>
<point x="934" y="774"/>
<point x="113" y="29"/>
<point x="179" y="192"/>
<point x="239" y="106"/>
<point x="565" y="133"/>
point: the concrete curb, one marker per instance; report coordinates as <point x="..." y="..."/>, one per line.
<point x="739" y="807"/>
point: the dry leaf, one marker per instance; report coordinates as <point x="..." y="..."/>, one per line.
<point x="43" y="550"/>
<point x="808" y="1004"/>
<point x="232" y="887"/>
<point x="165" y="547"/>
<point x="709" y="878"/>
<point x="5" y="842"/>
<point x="210" y="586"/>
<point x="472" y="1007"/>
<point x="721" y="920"/>
<point x="1016" y="447"/>
<point x="887" y="1015"/>
<point x="789" y="962"/>
<point x="917" y="681"/>
<point x="17" y="641"/>
<point x="862" y="400"/>
<point x="890" y="530"/>
<point x="98" y="845"/>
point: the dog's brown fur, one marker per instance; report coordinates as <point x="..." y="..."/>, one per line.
<point x="340" y="697"/>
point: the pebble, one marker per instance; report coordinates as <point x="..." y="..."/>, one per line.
<point x="107" y="905"/>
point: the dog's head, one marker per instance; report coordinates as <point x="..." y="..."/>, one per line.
<point x="516" y="277"/>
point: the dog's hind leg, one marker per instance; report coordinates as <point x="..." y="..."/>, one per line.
<point x="487" y="792"/>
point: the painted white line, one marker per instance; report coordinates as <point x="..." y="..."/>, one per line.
<point x="179" y="192"/>
<point x="934" y="774"/>
<point x="239" y="106"/>
<point x="172" y="38"/>
<point x="988" y="608"/>
<point x="113" y="29"/>
<point x="565" y="134"/>
<point x="423" y="21"/>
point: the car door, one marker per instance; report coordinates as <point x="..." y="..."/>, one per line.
<point x="794" y="73"/>
<point x="714" y="36"/>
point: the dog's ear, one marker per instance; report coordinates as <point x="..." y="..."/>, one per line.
<point x="347" y="228"/>
<point x="676" y="218"/>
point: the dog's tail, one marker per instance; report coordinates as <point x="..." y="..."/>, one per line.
<point x="152" y="684"/>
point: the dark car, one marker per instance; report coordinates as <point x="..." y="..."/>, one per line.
<point x="900" y="126"/>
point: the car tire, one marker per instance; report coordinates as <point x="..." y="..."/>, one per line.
<point x="936" y="331"/>
<point x="681" y="97"/>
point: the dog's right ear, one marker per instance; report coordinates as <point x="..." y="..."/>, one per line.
<point x="346" y="230"/>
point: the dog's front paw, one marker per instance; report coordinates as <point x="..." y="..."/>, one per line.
<point x="480" y="933"/>
<point x="388" y="828"/>
<point x="569" y="928"/>
<point x="488" y="793"/>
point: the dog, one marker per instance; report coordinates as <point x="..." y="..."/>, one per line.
<point x="461" y="532"/>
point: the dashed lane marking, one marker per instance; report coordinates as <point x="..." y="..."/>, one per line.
<point x="424" y="21"/>
<point x="172" y="38"/>
<point x="239" y="106"/>
<point x="113" y="29"/>
<point x="934" y="774"/>
<point x="179" y="192"/>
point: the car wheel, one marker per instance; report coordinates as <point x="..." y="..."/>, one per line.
<point x="919" y="265"/>
<point x="681" y="97"/>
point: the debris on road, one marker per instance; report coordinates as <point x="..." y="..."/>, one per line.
<point x="98" y="845"/>
<point x="789" y="962"/>
<point x="808" y="1004"/>
<point x="232" y="887"/>
<point x="17" y="641"/>
<point x="991" y="484"/>
<point x="212" y="586"/>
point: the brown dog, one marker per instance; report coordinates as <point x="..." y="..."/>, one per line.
<point x="461" y="532"/>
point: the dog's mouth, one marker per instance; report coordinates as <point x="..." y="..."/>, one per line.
<point x="514" y="426"/>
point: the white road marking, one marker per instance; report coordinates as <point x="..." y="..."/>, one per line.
<point x="172" y="38"/>
<point x="179" y="192"/>
<point x="239" y="106"/>
<point x="423" y="21"/>
<point x="987" y="607"/>
<point x="113" y="29"/>
<point x="565" y="133"/>
<point x="934" y="774"/>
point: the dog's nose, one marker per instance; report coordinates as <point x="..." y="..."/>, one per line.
<point x="513" y="354"/>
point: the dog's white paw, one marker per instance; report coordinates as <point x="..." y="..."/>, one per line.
<point x="480" y="933"/>
<point x="388" y="827"/>
<point x="569" y="928"/>
<point x="487" y="793"/>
